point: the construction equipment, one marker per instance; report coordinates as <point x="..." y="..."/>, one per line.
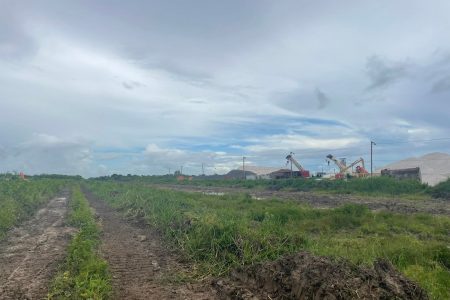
<point x="344" y="169"/>
<point x="302" y="172"/>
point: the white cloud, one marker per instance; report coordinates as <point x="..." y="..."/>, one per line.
<point x="136" y="77"/>
<point x="49" y="154"/>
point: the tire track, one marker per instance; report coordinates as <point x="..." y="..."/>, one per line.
<point x="31" y="252"/>
<point x="138" y="261"/>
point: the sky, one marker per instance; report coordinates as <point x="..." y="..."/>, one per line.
<point x="145" y="87"/>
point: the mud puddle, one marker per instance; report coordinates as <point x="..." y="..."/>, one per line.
<point x="140" y="265"/>
<point x="31" y="252"/>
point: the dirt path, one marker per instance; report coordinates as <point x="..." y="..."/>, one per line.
<point x="30" y="254"/>
<point x="393" y="204"/>
<point x="141" y="267"/>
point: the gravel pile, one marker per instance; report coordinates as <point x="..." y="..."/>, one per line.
<point x="434" y="167"/>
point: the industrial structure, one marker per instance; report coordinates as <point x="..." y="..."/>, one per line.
<point x="301" y="171"/>
<point x="345" y="170"/>
<point x="431" y="169"/>
<point x="409" y="173"/>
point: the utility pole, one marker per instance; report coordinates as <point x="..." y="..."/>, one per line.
<point x="290" y="160"/>
<point x="181" y="170"/>
<point x="203" y="170"/>
<point x="372" y="143"/>
<point x="243" y="166"/>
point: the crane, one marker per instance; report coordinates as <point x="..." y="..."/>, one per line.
<point x="344" y="169"/>
<point x="303" y="173"/>
<point x="338" y="163"/>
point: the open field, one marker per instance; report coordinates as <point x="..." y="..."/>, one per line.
<point x="318" y="199"/>
<point x="220" y="233"/>
<point x="224" y="150"/>
<point x="141" y="240"/>
<point x="368" y="187"/>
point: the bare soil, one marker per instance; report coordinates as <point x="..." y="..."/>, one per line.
<point x="140" y="265"/>
<point x="304" y="276"/>
<point x="392" y="204"/>
<point x="31" y="252"/>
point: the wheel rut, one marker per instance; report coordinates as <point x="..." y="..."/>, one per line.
<point x="140" y="264"/>
<point x="31" y="252"/>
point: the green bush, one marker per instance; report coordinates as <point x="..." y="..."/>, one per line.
<point x="441" y="190"/>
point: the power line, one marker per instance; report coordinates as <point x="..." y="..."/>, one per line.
<point x="413" y="141"/>
<point x="311" y="151"/>
<point x="411" y="160"/>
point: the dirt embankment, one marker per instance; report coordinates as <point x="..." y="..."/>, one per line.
<point x="304" y="276"/>
<point x="140" y="265"/>
<point x="31" y="252"/>
<point x="393" y="204"/>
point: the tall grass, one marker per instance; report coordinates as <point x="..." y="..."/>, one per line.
<point x="20" y="199"/>
<point x="442" y="190"/>
<point x="221" y="232"/>
<point x="376" y="186"/>
<point x="84" y="274"/>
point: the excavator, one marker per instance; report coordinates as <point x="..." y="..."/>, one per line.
<point x="344" y="169"/>
<point x="302" y="172"/>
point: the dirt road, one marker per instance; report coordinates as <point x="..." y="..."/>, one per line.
<point x="30" y="254"/>
<point x="393" y="204"/>
<point x="141" y="266"/>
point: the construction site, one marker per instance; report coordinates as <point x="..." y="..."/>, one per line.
<point x="429" y="169"/>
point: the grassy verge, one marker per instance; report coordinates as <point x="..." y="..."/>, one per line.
<point x="221" y="232"/>
<point x="19" y="199"/>
<point x="84" y="274"/>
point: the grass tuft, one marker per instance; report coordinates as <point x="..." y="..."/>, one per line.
<point x="84" y="274"/>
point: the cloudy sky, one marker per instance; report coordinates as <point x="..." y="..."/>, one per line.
<point x="100" y="87"/>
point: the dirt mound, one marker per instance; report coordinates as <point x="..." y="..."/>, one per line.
<point x="304" y="276"/>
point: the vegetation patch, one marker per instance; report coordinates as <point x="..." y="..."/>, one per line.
<point x="19" y="199"/>
<point x="376" y="186"/>
<point x="222" y="232"/>
<point x="84" y="274"/>
<point x="441" y="190"/>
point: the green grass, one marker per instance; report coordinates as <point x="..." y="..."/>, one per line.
<point x="376" y="186"/>
<point x="19" y="199"/>
<point x="442" y="190"/>
<point x="84" y="274"/>
<point x="222" y="232"/>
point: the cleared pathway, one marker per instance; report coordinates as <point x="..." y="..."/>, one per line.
<point x="31" y="252"/>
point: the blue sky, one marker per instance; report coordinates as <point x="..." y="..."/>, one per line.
<point x="102" y="87"/>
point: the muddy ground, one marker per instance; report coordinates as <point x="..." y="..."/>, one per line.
<point x="143" y="267"/>
<point x="30" y="253"/>
<point x="140" y="265"/>
<point x="393" y="204"/>
<point x="305" y="276"/>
